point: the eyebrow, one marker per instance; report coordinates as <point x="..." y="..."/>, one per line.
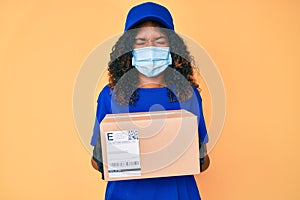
<point x="160" y="37"/>
<point x="144" y="39"/>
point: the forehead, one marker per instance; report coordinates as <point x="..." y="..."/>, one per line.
<point x="149" y="30"/>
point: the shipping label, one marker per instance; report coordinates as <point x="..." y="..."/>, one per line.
<point x="123" y="153"/>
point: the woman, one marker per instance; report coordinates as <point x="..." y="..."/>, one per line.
<point x="150" y="69"/>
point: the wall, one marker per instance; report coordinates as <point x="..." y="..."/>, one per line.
<point x="255" y="45"/>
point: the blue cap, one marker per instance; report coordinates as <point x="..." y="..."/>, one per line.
<point x="149" y="11"/>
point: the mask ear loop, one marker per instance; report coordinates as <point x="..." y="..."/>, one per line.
<point x="132" y="58"/>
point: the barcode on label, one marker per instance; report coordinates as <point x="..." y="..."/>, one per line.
<point x="124" y="163"/>
<point x="133" y="135"/>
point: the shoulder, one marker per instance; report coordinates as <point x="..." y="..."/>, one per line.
<point x="196" y="93"/>
<point x="105" y="93"/>
<point x="106" y="90"/>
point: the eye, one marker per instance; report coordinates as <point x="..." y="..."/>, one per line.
<point x="161" y="41"/>
<point x="140" y="41"/>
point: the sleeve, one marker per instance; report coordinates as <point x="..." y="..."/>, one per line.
<point x="103" y="108"/>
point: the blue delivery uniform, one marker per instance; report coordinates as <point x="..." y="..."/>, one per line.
<point x="151" y="99"/>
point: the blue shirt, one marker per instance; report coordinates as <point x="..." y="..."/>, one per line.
<point x="151" y="99"/>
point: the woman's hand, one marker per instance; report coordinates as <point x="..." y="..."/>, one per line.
<point x="205" y="165"/>
<point x="205" y="160"/>
<point x="94" y="164"/>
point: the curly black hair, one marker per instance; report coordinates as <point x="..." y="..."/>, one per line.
<point x="123" y="77"/>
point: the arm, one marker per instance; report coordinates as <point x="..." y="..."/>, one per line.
<point x="203" y="135"/>
<point x="96" y="160"/>
<point x="97" y="154"/>
<point x="103" y="108"/>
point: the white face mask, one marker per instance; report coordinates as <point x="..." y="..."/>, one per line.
<point x="151" y="61"/>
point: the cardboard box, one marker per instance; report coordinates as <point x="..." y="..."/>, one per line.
<point x="149" y="144"/>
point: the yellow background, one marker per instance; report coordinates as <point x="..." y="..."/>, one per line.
<point x="255" y="45"/>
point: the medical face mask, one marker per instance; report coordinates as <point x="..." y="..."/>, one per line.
<point x="151" y="61"/>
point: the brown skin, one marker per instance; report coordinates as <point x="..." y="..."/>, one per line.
<point x="150" y="35"/>
<point x="94" y="164"/>
<point x="206" y="163"/>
